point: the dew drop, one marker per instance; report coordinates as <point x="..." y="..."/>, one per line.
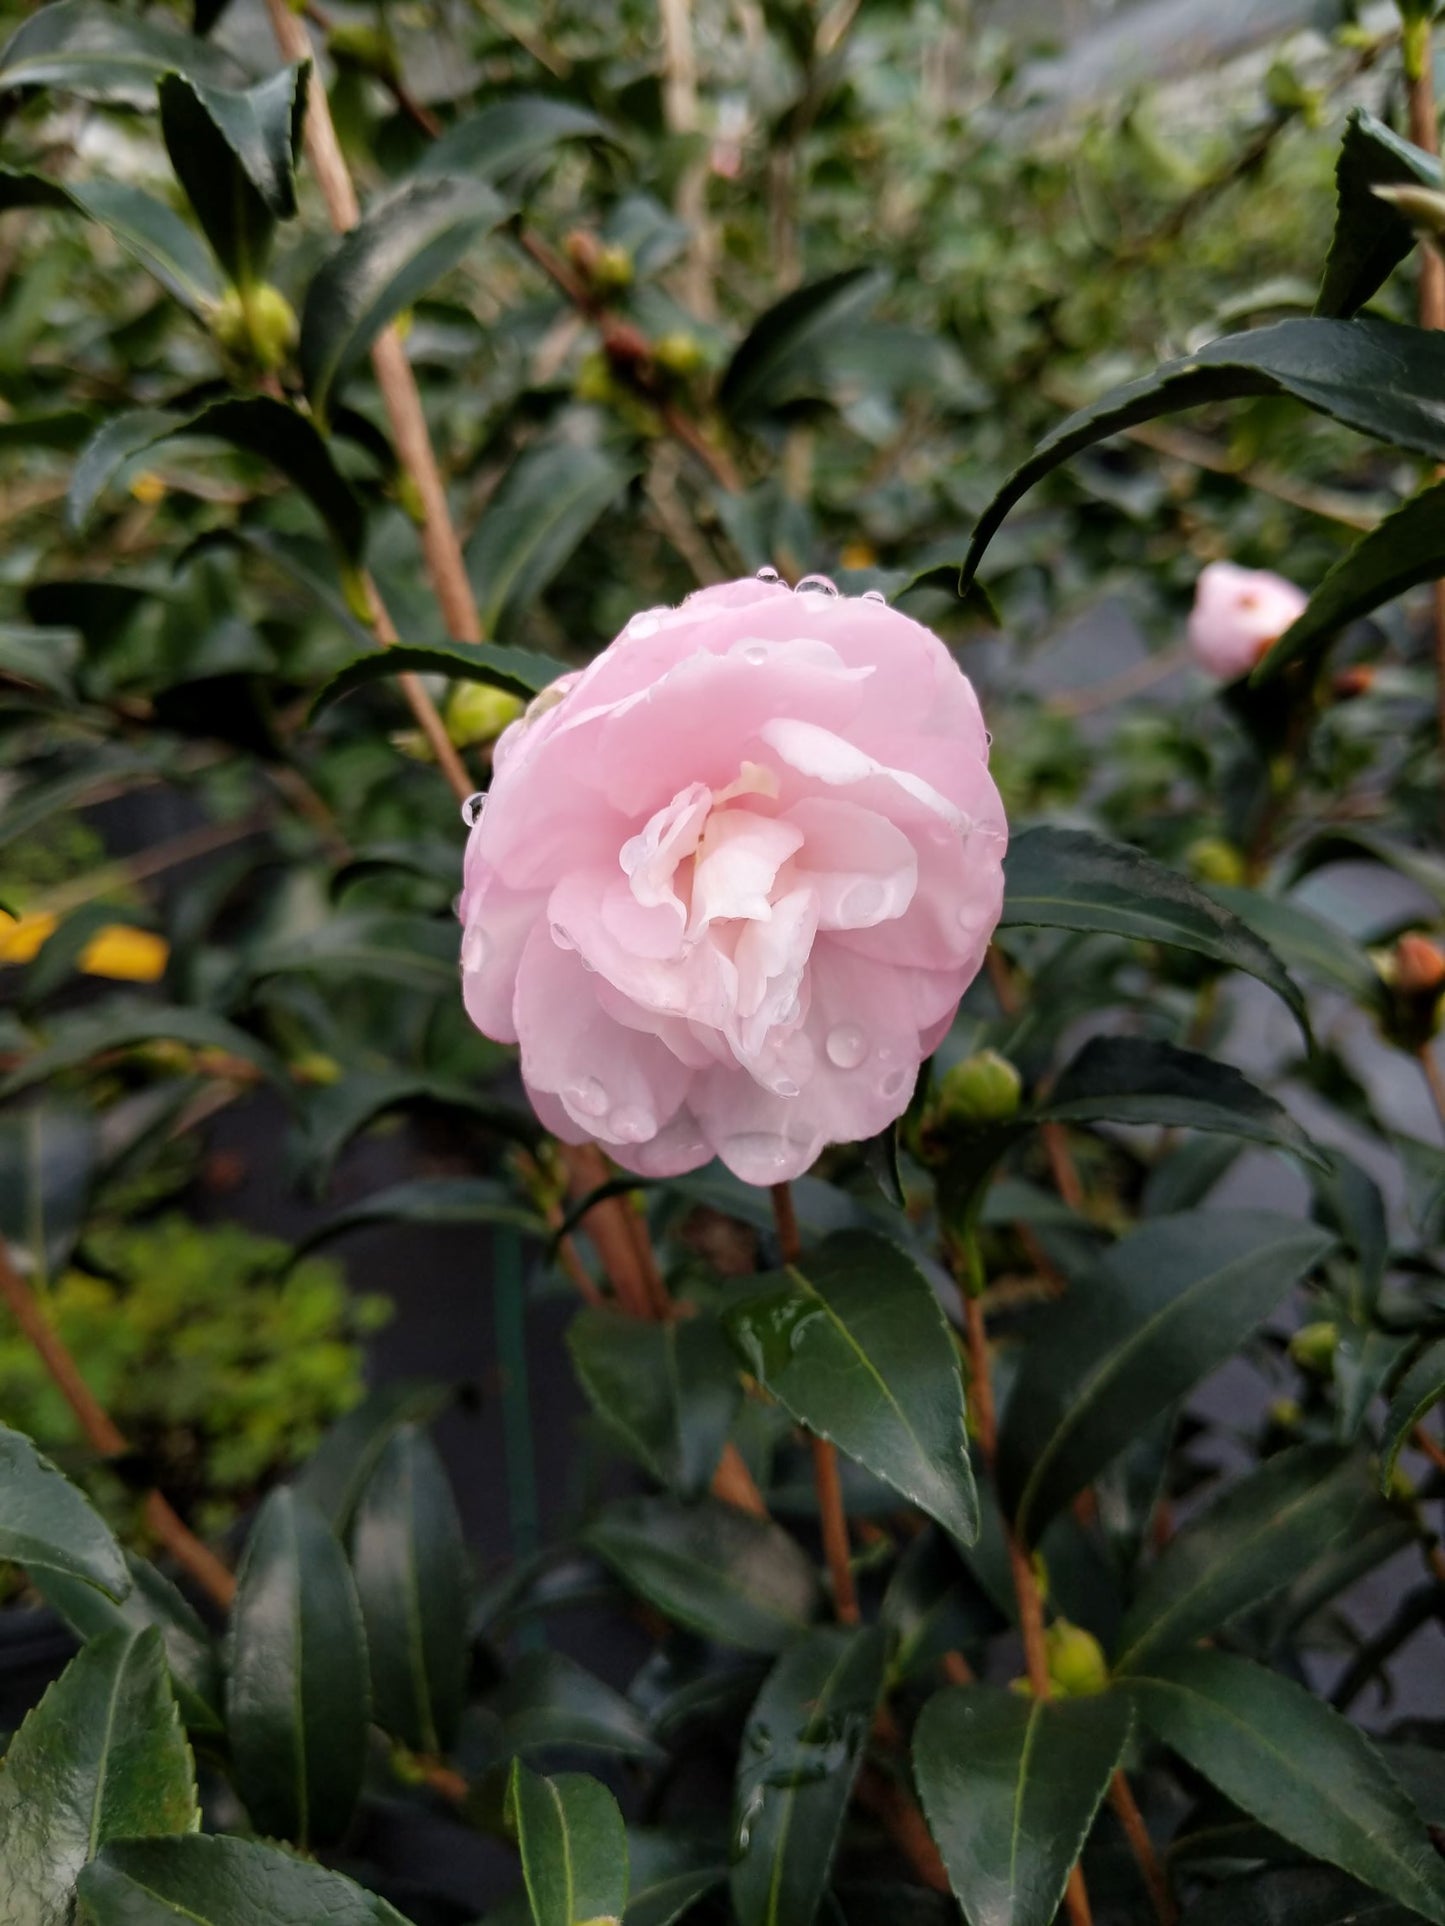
<point x="846" y="1046"/>
<point x="641" y="626"/>
<point x="817" y="585"/>
<point x="785" y="1087"/>
<point x="629" y="1123"/>
<point x="474" y="949"/>
<point x="893" y="1084"/>
<point x="860" y="904"/>
<point x="588" y="1096"/>
<point x="472" y="808"/>
<point x="561" y="938"/>
<point x="769" y="575"/>
<point x="874" y="595"/>
<point x="754" y="652"/>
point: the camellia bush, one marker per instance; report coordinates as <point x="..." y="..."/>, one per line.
<point x="925" y="1126"/>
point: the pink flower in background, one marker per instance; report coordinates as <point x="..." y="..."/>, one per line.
<point x="1238" y="613"/>
<point x="732" y="879"/>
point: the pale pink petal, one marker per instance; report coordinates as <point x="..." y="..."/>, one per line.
<point x="862" y="868"/>
<point x="737" y="864"/>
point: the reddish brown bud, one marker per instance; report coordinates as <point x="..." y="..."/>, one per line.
<point x="1356" y="681"/>
<point x="1419" y="965"/>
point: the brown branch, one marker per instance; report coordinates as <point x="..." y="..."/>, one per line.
<point x="1126" y="1810"/>
<point x="106" y="1437"/>
<point x="903" y="1823"/>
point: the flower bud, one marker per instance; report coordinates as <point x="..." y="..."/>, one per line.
<point x="1238" y="614"/>
<point x="257" y="325"/>
<point x="679" y="352"/>
<point x="315" y="1067"/>
<point x="1077" y="1666"/>
<point x="1419" y="965"/>
<point x="1213" y="860"/>
<point x="1313" y="1346"/>
<point x="1358" y="680"/>
<point x="477" y="713"/>
<point x="984" y="1088"/>
<point x="1414" y="973"/>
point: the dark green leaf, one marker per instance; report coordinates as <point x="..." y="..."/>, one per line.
<point x="45" y="657"/>
<point x="1405" y="550"/>
<point x="668" y="1392"/>
<point x="573" y="1846"/>
<point x="1306" y="944"/>
<point x="508" y="134"/>
<point x="778" y="359"/>
<point x="392" y="256"/>
<point x="1371" y="238"/>
<point x="1144" y="1080"/>
<point x="148" y="230"/>
<point x="429" y="1200"/>
<point x="257" y="425"/>
<point x="1296" y="1766"/>
<point x="1248" y="1546"/>
<point x="1166" y="1306"/>
<point x="521" y="671"/>
<point x="802" y="1746"/>
<point x="738" y="1579"/>
<point x="1365" y="1359"/>
<point x="1385" y="380"/>
<point x="1010" y="1787"/>
<point x="851" y="1339"/>
<point x="337" y="1473"/>
<point x="75" y="1040"/>
<point x="1070" y="879"/>
<point x="296" y="1697"/>
<point x="412" y="1576"/>
<point x="548" y="1700"/>
<point x="1418" y="1392"/>
<point x="1297" y="1896"/>
<point x="46" y="1523"/>
<point x="335" y="1113"/>
<point x="205" y="1881"/>
<point x="101" y="1757"/>
<point x="933" y="1605"/>
<point x="669" y="1873"/>
<point x="235" y="155"/>
<point x="548" y="500"/>
<point x="151" y="1601"/>
<point x="417" y="952"/>
<point x="103" y="54"/>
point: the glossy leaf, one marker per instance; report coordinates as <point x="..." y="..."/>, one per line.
<point x="337" y="1472"/>
<point x="412" y="1576"/>
<point x="47" y="1524"/>
<point x="335" y="1113"/>
<point x="1405" y="550"/>
<point x="668" y="1392"/>
<point x="1145" y="1080"/>
<point x="1371" y="238"/>
<point x="207" y="1881"/>
<point x="1070" y="879"/>
<point x="101" y="1757"/>
<point x="669" y="1873"/>
<point x="390" y="258"/>
<point x="1383" y="379"/>
<point x="509" y="134"/>
<point x="151" y="1602"/>
<point x="1299" y="1768"/>
<point x="81" y="47"/>
<point x="417" y="952"/>
<point x="256" y="425"/>
<point x="735" y="1578"/>
<point x="1010" y="1787"/>
<point x="1248" y="1546"/>
<point x="1420" y="1389"/>
<point x="87" y="1034"/>
<point x="574" y="1848"/>
<point x="148" y="230"/>
<point x="851" y="1339"/>
<point x="547" y="1701"/>
<point x="521" y="671"/>
<point x="45" y="658"/>
<point x="234" y="152"/>
<point x="778" y="359"/>
<point x="428" y="1200"/>
<point x="1306" y="944"/>
<point x="1165" y="1307"/>
<point x="546" y="503"/>
<point x="296" y="1692"/>
<point x="802" y="1746"/>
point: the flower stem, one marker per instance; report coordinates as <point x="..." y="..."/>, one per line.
<point x="1126" y="1810"/>
<point x="105" y="1435"/>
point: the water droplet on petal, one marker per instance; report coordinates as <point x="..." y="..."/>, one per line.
<point x="561" y="938"/>
<point x="474" y="949"/>
<point x="784" y="1087"/>
<point x="874" y="595"/>
<point x="472" y="808"/>
<point x="846" y="1046"/>
<point x="860" y="904"/>
<point x="769" y="575"/>
<point x="894" y="1084"/>
<point x="817" y="585"/>
<point x="629" y="1123"/>
<point x="588" y="1096"/>
<point x="753" y="652"/>
<point x="641" y="626"/>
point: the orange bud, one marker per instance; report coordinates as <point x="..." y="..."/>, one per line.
<point x="1419" y="965"/>
<point x="1357" y="681"/>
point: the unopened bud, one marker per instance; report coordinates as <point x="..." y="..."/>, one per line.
<point x="477" y="713"/>
<point x="1313" y="1346"/>
<point x="1352" y="682"/>
<point x="984" y="1088"/>
<point x="679" y="352"/>
<point x="1418" y="965"/>
<point x="315" y="1067"/>
<point x="257" y="325"/>
<point x="1213" y="860"/>
<point x="1077" y="1666"/>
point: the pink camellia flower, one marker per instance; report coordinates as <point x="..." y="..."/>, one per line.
<point x="732" y="879"/>
<point x="1238" y="614"/>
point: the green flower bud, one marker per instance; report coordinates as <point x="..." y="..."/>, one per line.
<point x="1285" y="1414"/>
<point x="1077" y="1666"/>
<point x="1313" y="1346"/>
<point x="984" y="1088"/>
<point x="680" y="353"/>
<point x="315" y="1067"/>
<point x="478" y="713"/>
<point x="257" y="325"/>
<point x="612" y="268"/>
<point x="1213" y="860"/>
<point x="595" y="380"/>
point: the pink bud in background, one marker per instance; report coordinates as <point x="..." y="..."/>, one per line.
<point x="732" y="879"/>
<point x="1238" y="613"/>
